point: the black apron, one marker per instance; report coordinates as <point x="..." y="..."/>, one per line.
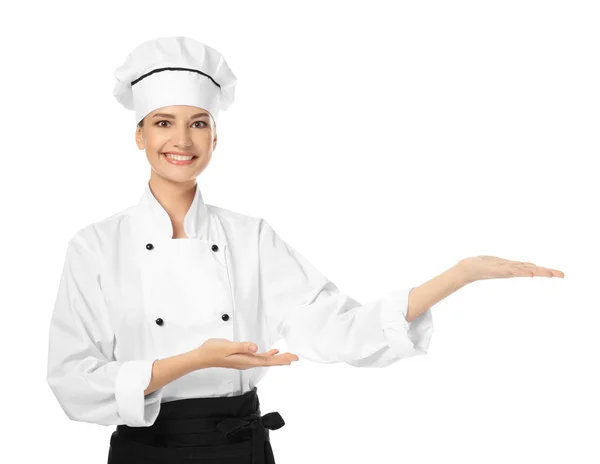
<point x="214" y="430"/>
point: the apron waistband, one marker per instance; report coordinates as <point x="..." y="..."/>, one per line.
<point x="209" y="417"/>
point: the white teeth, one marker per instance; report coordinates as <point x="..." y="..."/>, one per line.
<point x="178" y="157"/>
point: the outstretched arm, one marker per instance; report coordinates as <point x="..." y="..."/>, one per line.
<point x="433" y="291"/>
<point x="469" y="270"/>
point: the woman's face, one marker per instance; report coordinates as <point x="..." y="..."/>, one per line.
<point x="184" y="129"/>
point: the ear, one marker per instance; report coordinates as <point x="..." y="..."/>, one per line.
<point x="139" y="138"/>
<point x="215" y="142"/>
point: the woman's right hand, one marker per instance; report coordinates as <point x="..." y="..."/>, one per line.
<point x="220" y="352"/>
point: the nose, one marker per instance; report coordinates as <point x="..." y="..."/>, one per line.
<point x="183" y="138"/>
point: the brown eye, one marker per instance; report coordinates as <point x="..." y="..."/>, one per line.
<point x="158" y="123"/>
<point x="200" y="122"/>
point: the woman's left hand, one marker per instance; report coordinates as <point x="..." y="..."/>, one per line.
<point x="491" y="267"/>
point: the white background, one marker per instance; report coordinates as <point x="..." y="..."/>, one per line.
<point x="384" y="141"/>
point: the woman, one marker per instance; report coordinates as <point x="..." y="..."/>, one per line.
<point x="166" y="310"/>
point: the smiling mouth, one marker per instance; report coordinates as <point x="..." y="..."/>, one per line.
<point x="177" y="160"/>
<point x="179" y="157"/>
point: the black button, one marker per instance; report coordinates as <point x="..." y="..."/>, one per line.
<point x="225" y="317"/>
<point x="149" y="246"/>
<point x="159" y="321"/>
<point x="215" y="248"/>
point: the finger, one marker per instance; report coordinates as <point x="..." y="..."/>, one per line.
<point x="531" y="270"/>
<point x="268" y="353"/>
<point x="290" y="356"/>
<point x="261" y="361"/>
<point x="271" y="354"/>
<point x="552" y="272"/>
<point x="263" y="357"/>
<point x="544" y="271"/>
<point x="247" y="347"/>
<point x="282" y="359"/>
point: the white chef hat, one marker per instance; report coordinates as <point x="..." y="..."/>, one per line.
<point x="174" y="71"/>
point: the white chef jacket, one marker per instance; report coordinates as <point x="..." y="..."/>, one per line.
<point x="233" y="278"/>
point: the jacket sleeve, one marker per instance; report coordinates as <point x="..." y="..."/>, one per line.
<point x="89" y="384"/>
<point x="324" y="325"/>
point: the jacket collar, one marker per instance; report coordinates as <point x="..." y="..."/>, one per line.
<point x="157" y="219"/>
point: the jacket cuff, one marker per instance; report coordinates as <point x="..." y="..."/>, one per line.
<point x="403" y="337"/>
<point x="134" y="408"/>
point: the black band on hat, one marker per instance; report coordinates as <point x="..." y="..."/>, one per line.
<point x="173" y="69"/>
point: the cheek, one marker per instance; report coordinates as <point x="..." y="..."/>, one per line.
<point x="154" y="157"/>
<point x="204" y="141"/>
<point x="154" y="143"/>
<point x="202" y="162"/>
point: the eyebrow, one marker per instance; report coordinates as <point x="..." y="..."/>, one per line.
<point x="170" y="116"/>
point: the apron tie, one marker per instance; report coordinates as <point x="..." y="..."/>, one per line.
<point x="257" y="424"/>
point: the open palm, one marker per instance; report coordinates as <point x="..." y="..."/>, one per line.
<point x="492" y="267"/>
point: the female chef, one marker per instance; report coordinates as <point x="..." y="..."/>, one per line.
<point x="166" y="310"/>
